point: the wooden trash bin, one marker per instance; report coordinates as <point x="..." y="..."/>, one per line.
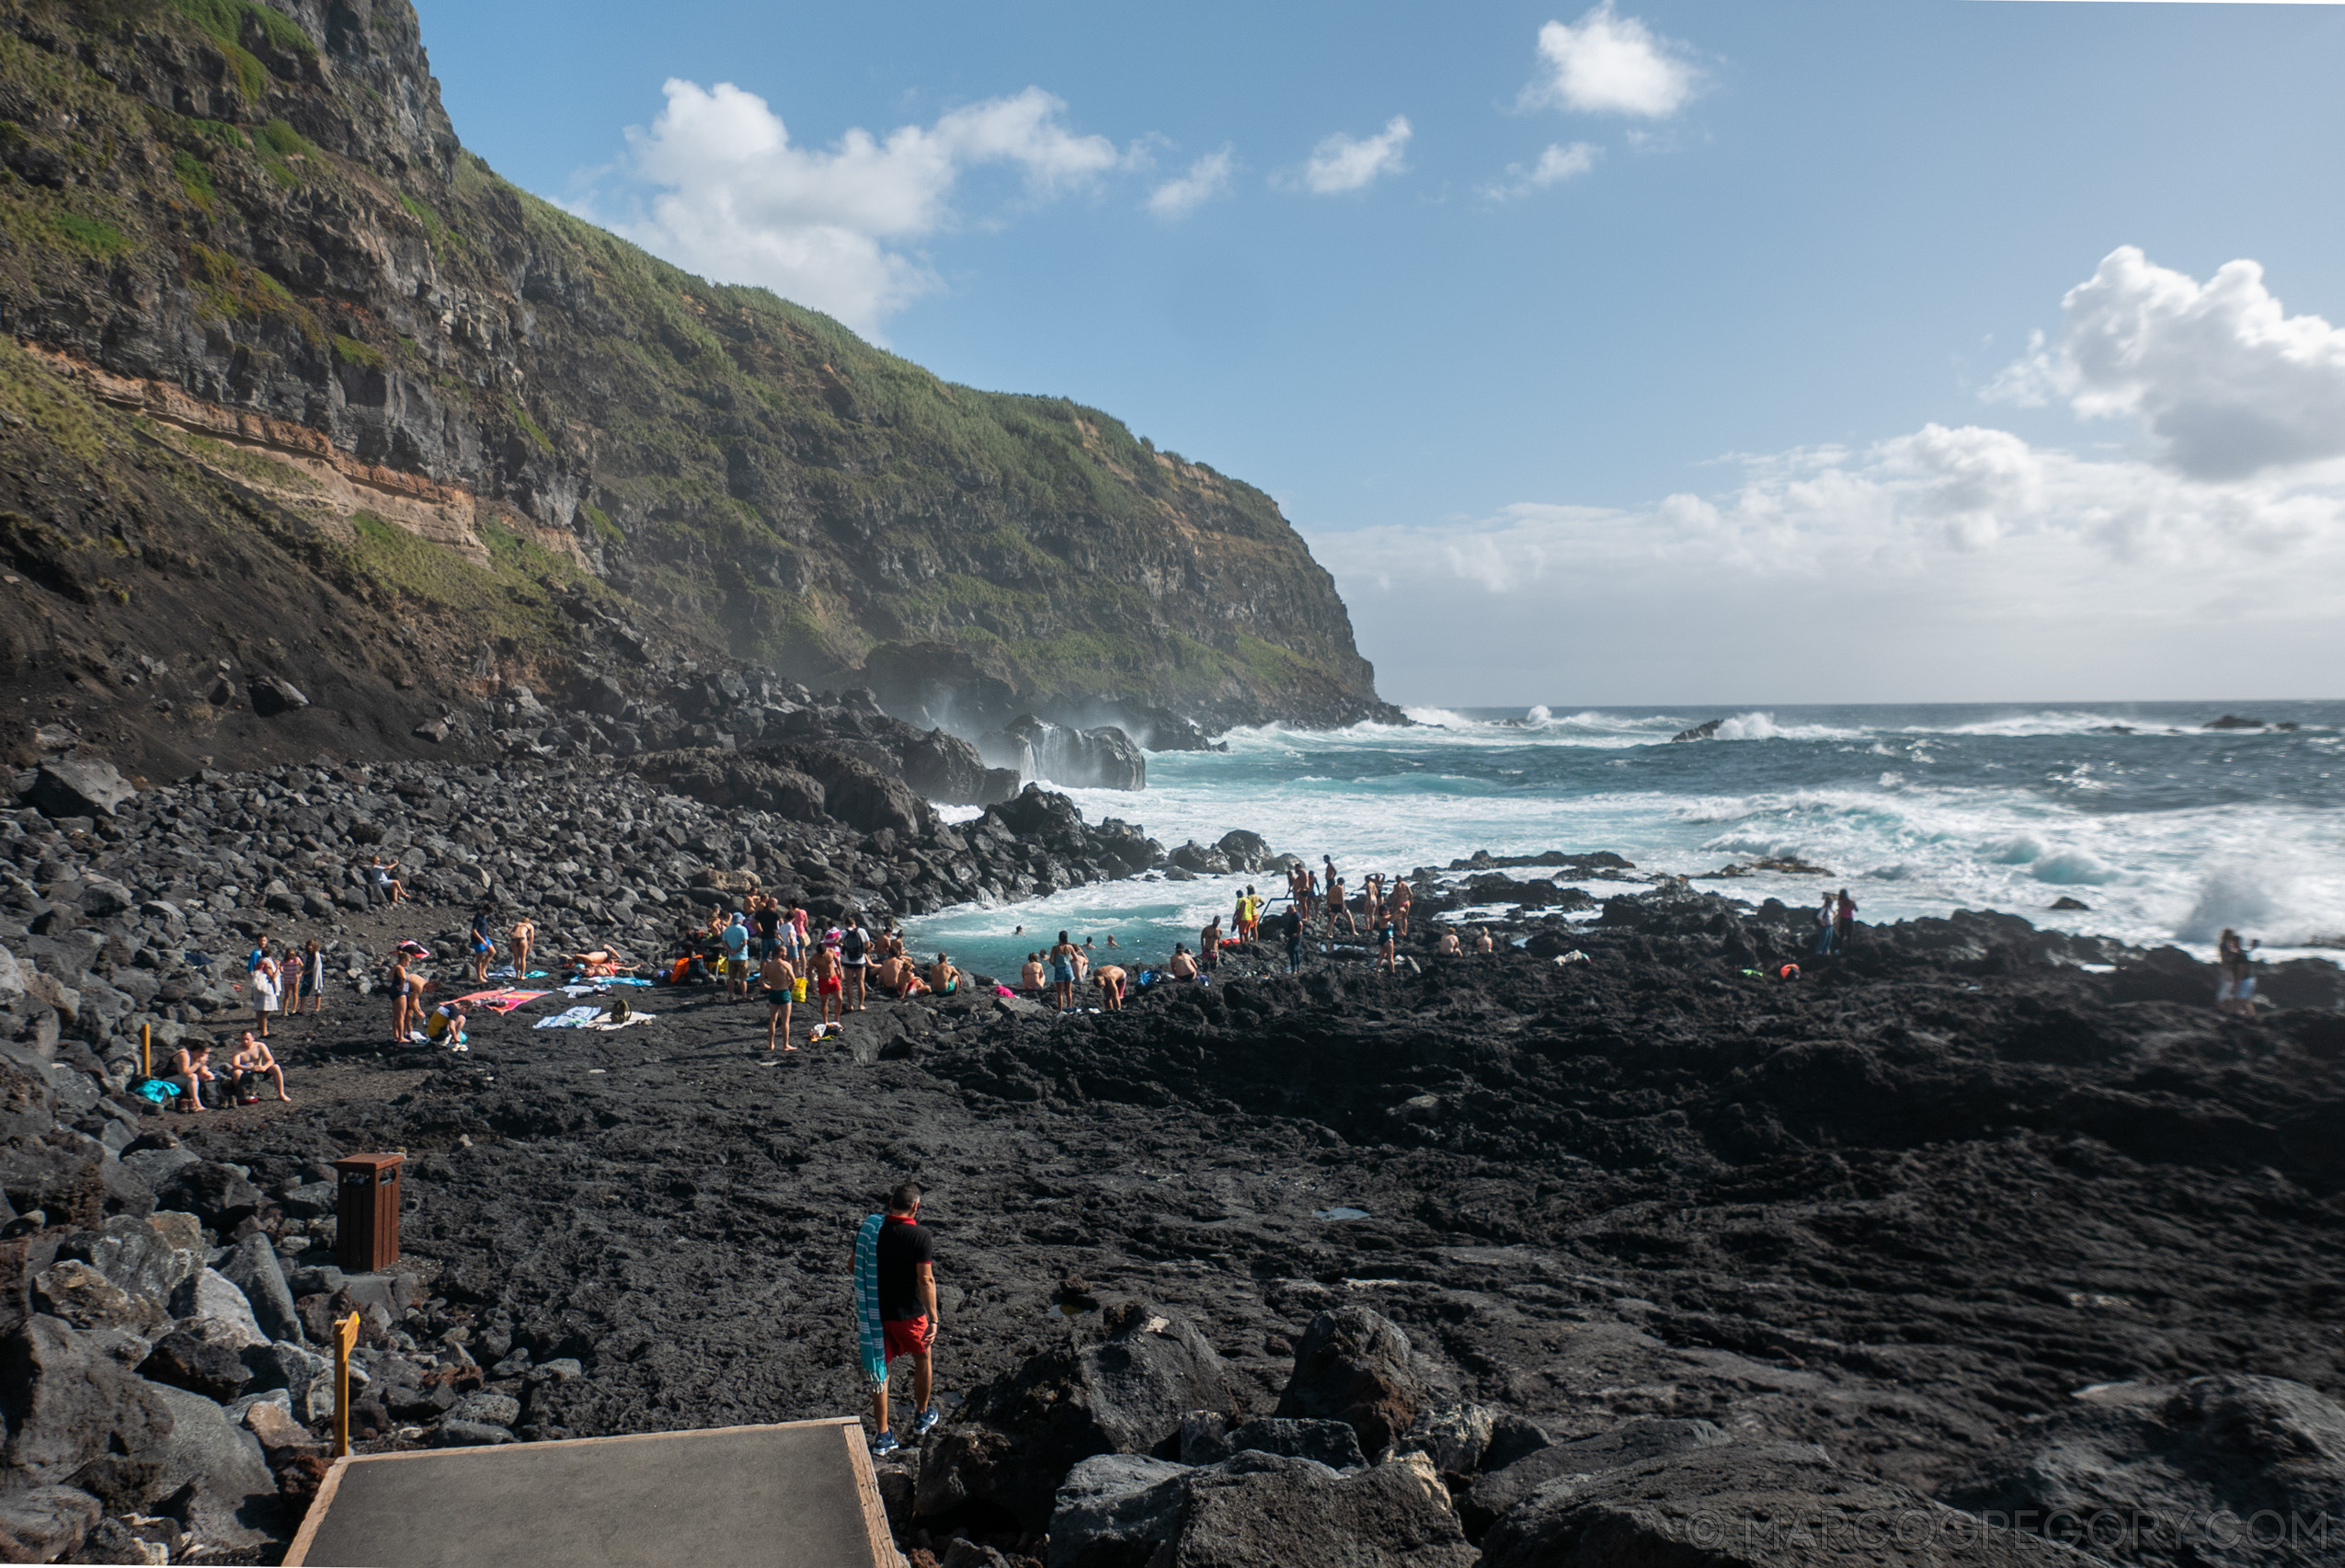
<point x="366" y="1212"/>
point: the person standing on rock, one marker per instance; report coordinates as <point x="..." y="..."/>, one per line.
<point x="854" y="953"/>
<point x="736" y="942"/>
<point x="1063" y="954"/>
<point x="896" y="1308"/>
<point x="779" y="977"/>
<point x="484" y="946"/>
<point x="1824" y="914"/>
<point x="1387" y="939"/>
<point x="829" y="989"/>
<point x="1844" y="921"/>
<point x="524" y="940"/>
<point x="1291" y="926"/>
<point x="397" y="980"/>
<point x="313" y="972"/>
<point x="1403" y="897"/>
<point x="1209" y="943"/>
<point x="766" y="916"/>
<point x="266" y="977"/>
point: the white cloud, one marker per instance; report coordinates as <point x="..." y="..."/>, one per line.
<point x="1205" y="179"/>
<point x="2222" y="380"/>
<point x="1555" y="165"/>
<point x="736" y="200"/>
<point x="1948" y="563"/>
<point x="1342" y="163"/>
<point x="1607" y="64"/>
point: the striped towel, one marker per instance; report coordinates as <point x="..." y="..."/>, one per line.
<point x="874" y="1339"/>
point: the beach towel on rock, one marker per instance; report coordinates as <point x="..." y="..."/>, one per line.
<point x="502" y="1001"/>
<point x="606" y="1022"/>
<point x="572" y="1019"/>
<point x="868" y="1333"/>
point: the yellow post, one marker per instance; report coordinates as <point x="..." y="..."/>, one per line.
<point x="146" y="1050"/>
<point x="346" y="1339"/>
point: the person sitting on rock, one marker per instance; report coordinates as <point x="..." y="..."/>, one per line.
<point x="190" y="1071"/>
<point x="1483" y="943"/>
<point x="388" y="886"/>
<point x="942" y="977"/>
<point x="254" y="1061"/>
<point x="1184" y="965"/>
<point x="1030" y="978"/>
<point x="1109" y="978"/>
<point x="1449" y="947"/>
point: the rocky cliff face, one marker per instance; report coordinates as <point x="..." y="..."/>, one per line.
<point x="248" y="237"/>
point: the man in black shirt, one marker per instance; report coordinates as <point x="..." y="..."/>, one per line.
<point x="906" y="1308"/>
<point x="1293" y="924"/>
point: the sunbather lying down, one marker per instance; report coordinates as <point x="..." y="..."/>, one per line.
<point x="601" y="961"/>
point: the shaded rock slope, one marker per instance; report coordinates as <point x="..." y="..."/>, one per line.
<point x="307" y="387"/>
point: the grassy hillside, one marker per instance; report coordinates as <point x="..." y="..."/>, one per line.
<point x="263" y="214"/>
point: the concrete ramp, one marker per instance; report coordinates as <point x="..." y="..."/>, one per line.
<point x="800" y="1495"/>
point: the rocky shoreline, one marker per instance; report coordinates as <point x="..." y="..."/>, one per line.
<point x="1609" y="1245"/>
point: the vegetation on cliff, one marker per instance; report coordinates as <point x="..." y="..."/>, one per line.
<point x="256" y="226"/>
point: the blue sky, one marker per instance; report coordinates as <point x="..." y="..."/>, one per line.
<point x="1658" y="426"/>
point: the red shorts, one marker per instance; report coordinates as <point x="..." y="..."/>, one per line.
<point x="906" y="1338"/>
<point x="829" y="986"/>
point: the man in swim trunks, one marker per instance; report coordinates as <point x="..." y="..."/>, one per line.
<point x="1062" y="972"/>
<point x="908" y="1314"/>
<point x="253" y="1063"/>
<point x="779" y="977"/>
<point x="1184" y="965"/>
<point x="1109" y="978"/>
<point x="830" y="987"/>
<point x="1209" y="943"/>
<point x="943" y="978"/>
<point x="484" y="946"/>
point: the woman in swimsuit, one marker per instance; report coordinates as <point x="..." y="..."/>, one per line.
<point x="1062" y="972"/>
<point x="398" y="979"/>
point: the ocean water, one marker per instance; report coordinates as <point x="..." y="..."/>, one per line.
<point x="2168" y="830"/>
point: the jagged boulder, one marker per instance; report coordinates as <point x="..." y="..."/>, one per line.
<point x="46" y="1523"/>
<point x="2155" y="1456"/>
<point x="735" y="782"/>
<point x="1752" y="1505"/>
<point x="1255" y="1510"/>
<point x="1504" y="1486"/>
<point x="81" y="786"/>
<point x="1118" y="1386"/>
<point x="1353" y="1365"/>
<point x="67" y="1403"/>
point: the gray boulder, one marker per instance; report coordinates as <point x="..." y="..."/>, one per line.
<point x="1353" y="1365"/>
<point x="252" y="1267"/>
<point x="211" y="1192"/>
<point x="141" y="1256"/>
<point x="1629" y="1442"/>
<point x="1118" y="1386"/>
<point x="234" y="1503"/>
<point x="82" y="1296"/>
<point x="202" y="1358"/>
<point x="45" y="1523"/>
<point x="66" y="1402"/>
<point x="1255" y="1510"/>
<point x="2147" y="1461"/>
<point x="1752" y="1505"/>
<point x="211" y="1295"/>
<point x="1331" y="1443"/>
<point x="457" y="1432"/>
<point x="1452" y="1435"/>
<point x="79" y="788"/>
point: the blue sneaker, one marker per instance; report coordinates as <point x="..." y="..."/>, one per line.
<point x="925" y="1422"/>
<point x="884" y="1443"/>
